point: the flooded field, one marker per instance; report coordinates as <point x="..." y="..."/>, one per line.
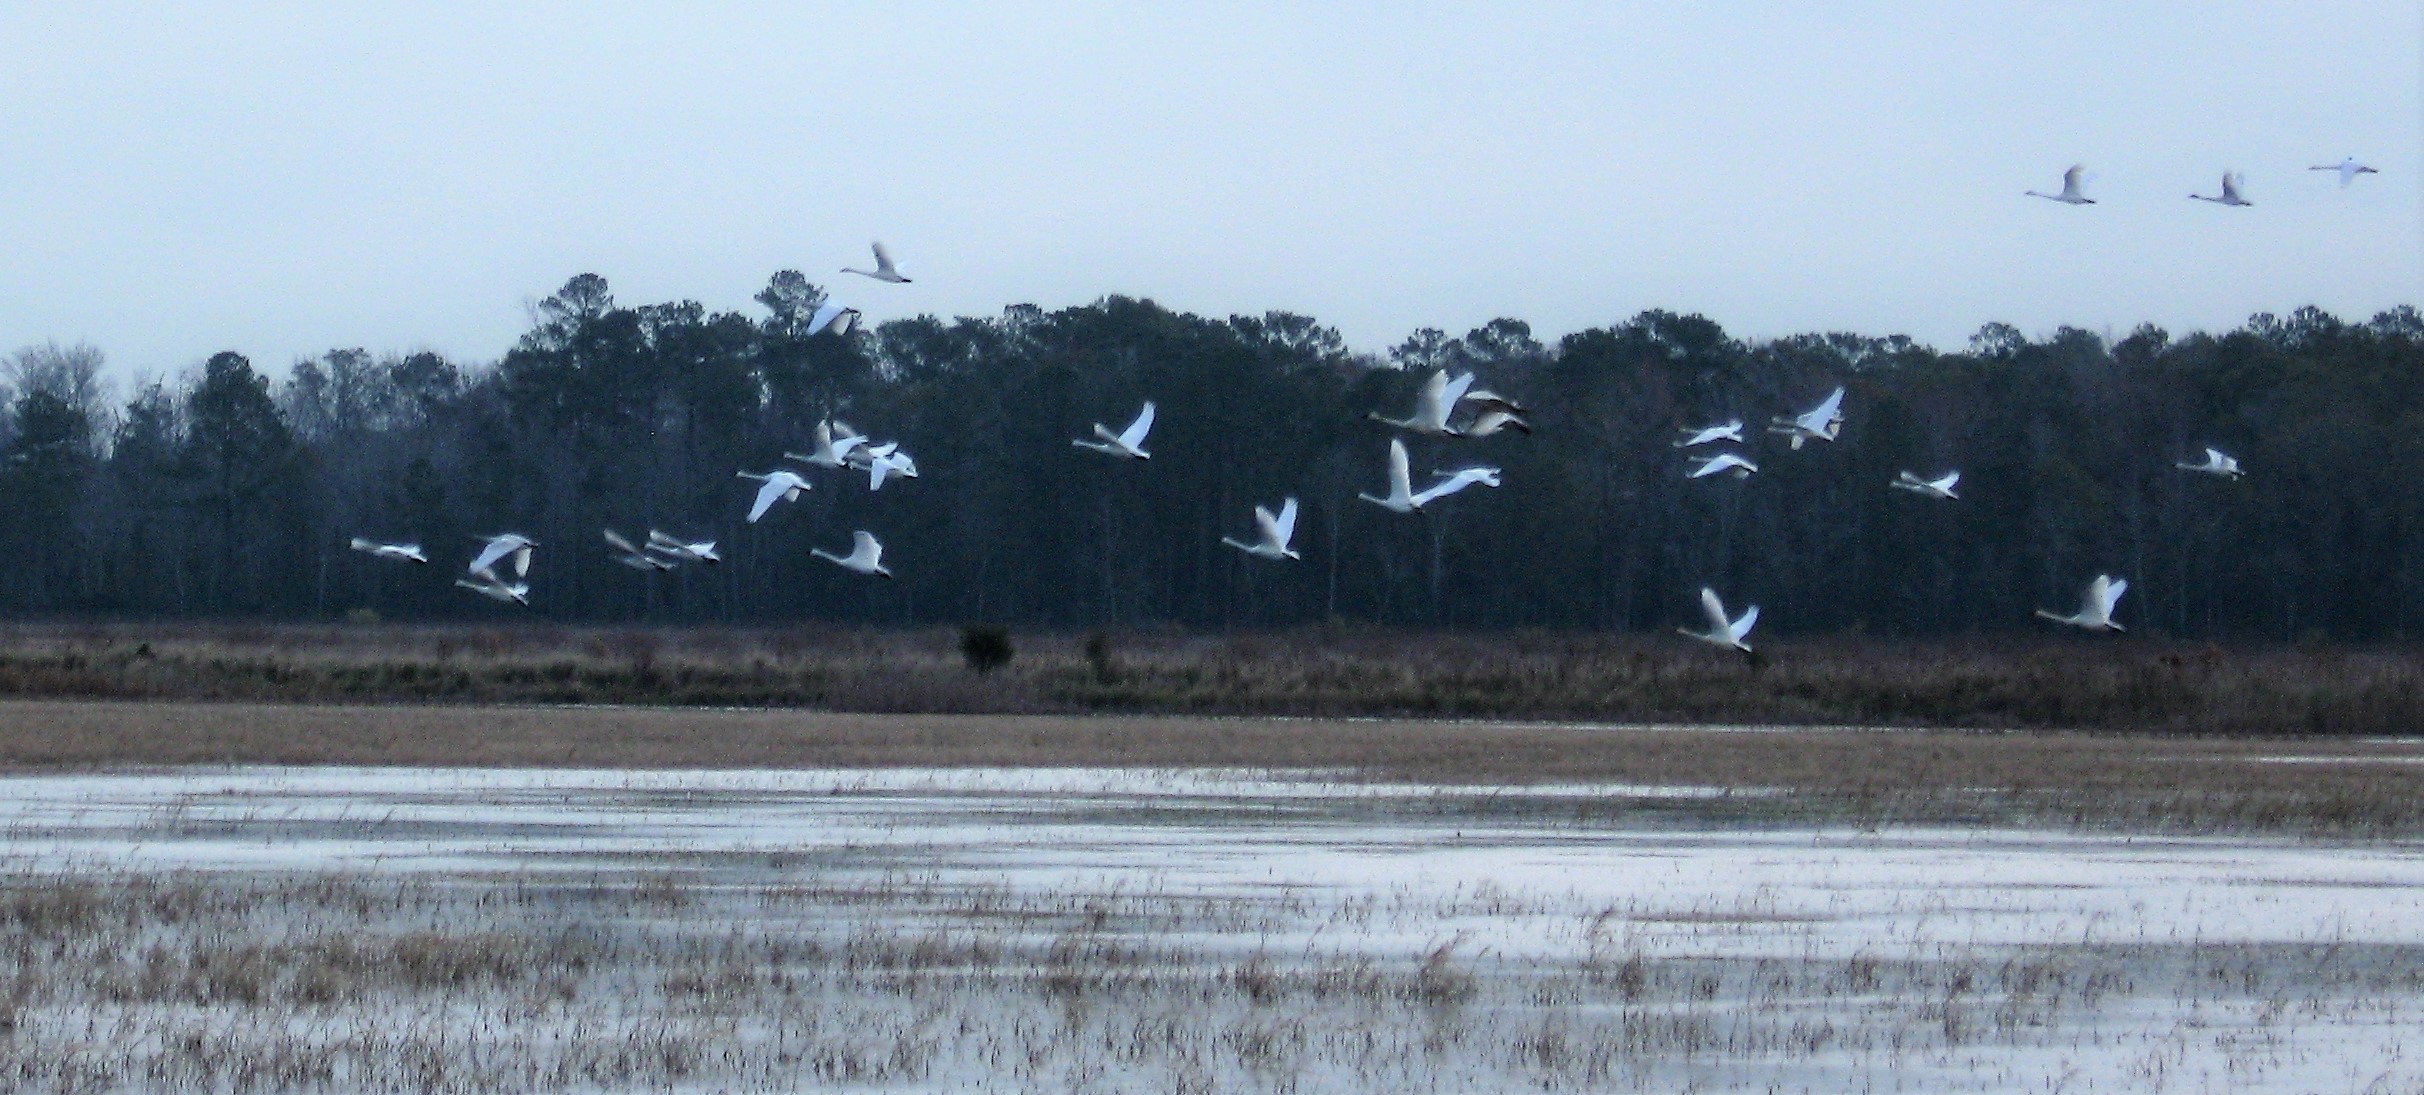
<point x="1059" y="929"/>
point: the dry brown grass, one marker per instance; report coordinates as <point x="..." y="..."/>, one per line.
<point x="2164" y="782"/>
<point x="2047" y="682"/>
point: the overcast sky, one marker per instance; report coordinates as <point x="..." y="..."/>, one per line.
<point x="280" y="180"/>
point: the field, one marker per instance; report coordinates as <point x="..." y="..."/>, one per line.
<point x="2044" y="681"/>
<point x="234" y="895"/>
<point x="1112" y="929"/>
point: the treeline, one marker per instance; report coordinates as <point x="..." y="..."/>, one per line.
<point x="222" y="494"/>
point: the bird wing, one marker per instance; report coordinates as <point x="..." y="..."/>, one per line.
<point x="1134" y="435"/>
<point x="1714" y="610"/>
<point x="1457" y="482"/>
<point x="1950" y="480"/>
<point x="766" y="496"/>
<point x="1401" y="481"/>
<point x="1430" y="404"/>
<point x="1830" y="410"/>
<point x="883" y="259"/>
<point x="615" y="540"/>
<point x="1742" y="627"/>
<point x="828" y="313"/>
<point x="521" y="561"/>
<point x="1286" y="526"/>
<point x="2070" y="178"/>
<point x="1453" y="394"/>
<point x="489" y="555"/>
<point x="864" y="548"/>
<point x="2107" y="593"/>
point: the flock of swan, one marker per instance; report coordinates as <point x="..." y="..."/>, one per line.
<point x="1436" y="413"/>
<point x="2075" y="180"/>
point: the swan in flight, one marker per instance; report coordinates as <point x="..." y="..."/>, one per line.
<point x="406" y="553"/>
<point x="1483" y="399"/>
<point x="701" y="552"/>
<point x="490" y="587"/>
<point x="499" y="546"/>
<point x="2348" y="168"/>
<point x="2230" y="191"/>
<point x="1128" y="442"/>
<point x="2096" y="610"/>
<point x="1493" y="412"/>
<point x="882" y="462"/>
<point x="1432" y="405"/>
<point x="1271" y="534"/>
<point x="631" y="556"/>
<point x="1402" y="498"/>
<point x="2216" y="462"/>
<point x="834" y="314"/>
<point x="782" y="485"/>
<point x="884" y="270"/>
<point x="865" y="554"/>
<point x="1933" y="488"/>
<point x="1723" y="632"/>
<point x="834" y="440"/>
<point x="1727" y="431"/>
<point x="1823" y="422"/>
<point x="1492" y="420"/>
<point x="2070" y="194"/>
<point x="1724" y="463"/>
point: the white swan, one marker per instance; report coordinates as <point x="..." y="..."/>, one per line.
<point x="2348" y="168"/>
<point x="1402" y="498"/>
<point x="834" y="440"/>
<point x="865" y="554"/>
<point x="1725" y="431"/>
<point x="2230" y="191"/>
<point x="403" y="553"/>
<point x="490" y="587"/>
<point x="499" y="546"/>
<point x="1492" y="420"/>
<point x="1723" y="632"/>
<point x="1271" y="534"/>
<point x="1823" y="422"/>
<point x="782" y="485"/>
<point x="1432" y="405"/>
<point x="2096" y="609"/>
<point x="1455" y="481"/>
<point x="631" y="556"/>
<point x="1128" y="442"/>
<point x="834" y="314"/>
<point x="702" y="551"/>
<point x="1724" y="463"/>
<point x="2216" y="463"/>
<point x="1934" y="488"/>
<point x="884" y="270"/>
<point x="882" y="462"/>
<point x="2070" y="194"/>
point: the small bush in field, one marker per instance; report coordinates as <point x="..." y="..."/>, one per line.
<point x="363" y="616"/>
<point x="1099" y="655"/>
<point x="986" y="647"/>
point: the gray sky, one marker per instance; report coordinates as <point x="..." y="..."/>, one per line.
<point x="284" y="179"/>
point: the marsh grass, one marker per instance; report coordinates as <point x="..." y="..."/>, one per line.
<point x="2338" y="788"/>
<point x="349" y="983"/>
<point x="2045" y="683"/>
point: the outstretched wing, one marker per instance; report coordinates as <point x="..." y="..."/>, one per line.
<point x="767" y="493"/>
<point x="1741" y="628"/>
<point x="1283" y="529"/>
<point x="1714" y="610"/>
<point x="1453" y="394"/>
<point x="1134" y="435"/>
<point x="2070" y="178"/>
<point x="489" y="555"/>
<point x="1830" y="410"/>
<point x="863" y="546"/>
<point x="1951" y="479"/>
<point x="883" y="258"/>
<point x="2106" y="593"/>
<point x="1401" y="481"/>
<point x="616" y="541"/>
